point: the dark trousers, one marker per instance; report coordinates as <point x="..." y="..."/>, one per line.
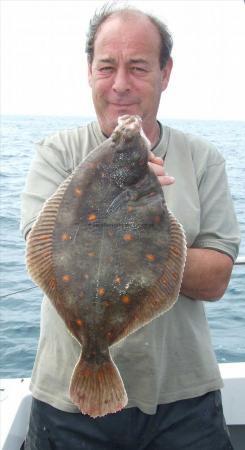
<point x="193" y="424"/>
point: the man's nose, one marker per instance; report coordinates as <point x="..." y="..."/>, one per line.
<point x="121" y="81"/>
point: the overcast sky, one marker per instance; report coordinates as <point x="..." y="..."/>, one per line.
<point x="43" y="65"/>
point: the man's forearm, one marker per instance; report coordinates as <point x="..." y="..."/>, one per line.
<point x="206" y="275"/>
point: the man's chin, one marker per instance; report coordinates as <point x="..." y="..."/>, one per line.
<point x="110" y="124"/>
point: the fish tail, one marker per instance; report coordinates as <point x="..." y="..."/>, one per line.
<point x="97" y="389"/>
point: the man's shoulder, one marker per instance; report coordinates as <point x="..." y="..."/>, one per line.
<point x="68" y="136"/>
<point x="196" y="145"/>
<point x="71" y="145"/>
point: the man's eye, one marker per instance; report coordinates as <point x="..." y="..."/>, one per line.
<point x="106" y="69"/>
<point x="138" y="69"/>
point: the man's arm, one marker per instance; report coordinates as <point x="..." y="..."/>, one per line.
<point x="207" y="272"/>
<point x="206" y="275"/>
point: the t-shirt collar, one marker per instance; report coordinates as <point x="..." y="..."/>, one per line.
<point x="160" y="149"/>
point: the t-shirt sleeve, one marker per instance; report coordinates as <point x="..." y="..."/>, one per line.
<point x="49" y="168"/>
<point x="219" y="228"/>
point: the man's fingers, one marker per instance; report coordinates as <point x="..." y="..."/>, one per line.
<point x="158" y="169"/>
<point x="166" y="180"/>
<point x="155" y="159"/>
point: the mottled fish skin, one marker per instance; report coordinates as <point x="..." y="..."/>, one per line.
<point x="110" y="256"/>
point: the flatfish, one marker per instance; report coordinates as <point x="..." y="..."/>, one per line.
<point x="110" y="256"/>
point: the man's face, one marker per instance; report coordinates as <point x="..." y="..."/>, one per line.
<point x="125" y="74"/>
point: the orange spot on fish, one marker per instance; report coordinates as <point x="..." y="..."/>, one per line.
<point x="91" y="217"/>
<point x="101" y="292"/>
<point x="126" y="299"/>
<point x="65" y="237"/>
<point x="66" y="278"/>
<point x="78" y="192"/>
<point x="91" y="254"/>
<point x="130" y="208"/>
<point x="128" y="237"/>
<point x="79" y="322"/>
<point x="150" y="257"/>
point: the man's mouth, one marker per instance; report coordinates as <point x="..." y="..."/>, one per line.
<point x="122" y="105"/>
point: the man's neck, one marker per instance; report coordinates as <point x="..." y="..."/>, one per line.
<point x="154" y="135"/>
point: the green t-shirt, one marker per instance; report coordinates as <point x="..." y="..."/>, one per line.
<point x="171" y="358"/>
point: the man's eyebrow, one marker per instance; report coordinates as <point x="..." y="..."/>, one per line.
<point x="131" y="61"/>
<point x="138" y="61"/>
<point x="106" y="61"/>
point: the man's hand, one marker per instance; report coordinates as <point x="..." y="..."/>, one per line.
<point x="157" y="165"/>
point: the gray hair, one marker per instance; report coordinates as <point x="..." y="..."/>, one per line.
<point x="107" y="10"/>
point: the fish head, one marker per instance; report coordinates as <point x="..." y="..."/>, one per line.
<point x="128" y="129"/>
<point x="131" y="150"/>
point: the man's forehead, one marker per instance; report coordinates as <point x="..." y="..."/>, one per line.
<point x="134" y="25"/>
<point x="111" y="45"/>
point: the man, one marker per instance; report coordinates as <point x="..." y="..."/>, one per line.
<point x="168" y="367"/>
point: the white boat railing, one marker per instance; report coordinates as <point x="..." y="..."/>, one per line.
<point x="240" y="260"/>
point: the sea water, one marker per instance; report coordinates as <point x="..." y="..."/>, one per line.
<point x="20" y="311"/>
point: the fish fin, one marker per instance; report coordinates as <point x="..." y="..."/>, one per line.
<point x="39" y="244"/>
<point x="163" y="295"/>
<point x="118" y="201"/>
<point x="97" y="389"/>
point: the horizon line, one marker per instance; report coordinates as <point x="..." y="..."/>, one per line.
<point x="93" y="117"/>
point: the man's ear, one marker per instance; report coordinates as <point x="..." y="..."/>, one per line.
<point x="166" y="72"/>
<point x="89" y="74"/>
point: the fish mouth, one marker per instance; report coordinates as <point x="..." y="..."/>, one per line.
<point x="128" y="126"/>
<point x="129" y="121"/>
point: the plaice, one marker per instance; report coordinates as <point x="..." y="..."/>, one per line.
<point x="110" y="256"/>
